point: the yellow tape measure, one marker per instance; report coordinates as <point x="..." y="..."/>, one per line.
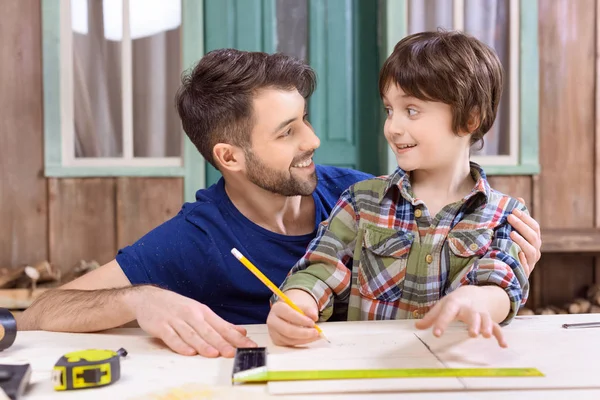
<point x="87" y="369"/>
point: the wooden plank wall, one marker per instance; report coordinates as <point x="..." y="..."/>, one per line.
<point x="66" y="220"/>
<point x="61" y="220"/>
<point x="567" y="138"/>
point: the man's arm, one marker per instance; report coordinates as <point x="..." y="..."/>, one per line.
<point x="104" y="299"/>
<point x="95" y="301"/>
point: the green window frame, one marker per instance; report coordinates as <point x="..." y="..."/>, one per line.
<point x="528" y="157"/>
<point x="192" y="168"/>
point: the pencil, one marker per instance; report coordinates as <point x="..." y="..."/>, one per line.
<point x="271" y="286"/>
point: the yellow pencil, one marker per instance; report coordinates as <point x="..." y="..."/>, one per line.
<point x="271" y="285"/>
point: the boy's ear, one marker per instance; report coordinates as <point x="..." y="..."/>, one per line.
<point x="228" y="157"/>
<point x="474" y="121"/>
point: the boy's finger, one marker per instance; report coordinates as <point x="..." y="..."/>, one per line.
<point x="292" y="334"/>
<point x="287" y="313"/>
<point x="429" y="318"/>
<point x="448" y="314"/>
<point x="473" y="321"/>
<point x="486" y="326"/>
<point x="497" y="331"/>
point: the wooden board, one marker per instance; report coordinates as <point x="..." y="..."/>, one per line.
<point x="143" y="372"/>
<point x="567" y="81"/>
<point x="143" y="204"/>
<point x="23" y="207"/>
<point x="567" y="34"/>
<point x="597" y="139"/>
<point x="397" y="344"/>
<point x="81" y="221"/>
<point x="571" y="240"/>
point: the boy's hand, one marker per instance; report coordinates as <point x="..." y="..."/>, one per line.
<point x="462" y="305"/>
<point x="287" y="326"/>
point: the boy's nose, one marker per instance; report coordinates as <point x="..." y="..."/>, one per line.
<point x="396" y="128"/>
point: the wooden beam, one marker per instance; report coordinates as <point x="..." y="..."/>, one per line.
<point x="597" y="139"/>
<point x="571" y="240"/>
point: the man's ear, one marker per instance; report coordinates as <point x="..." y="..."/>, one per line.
<point x="229" y="157"/>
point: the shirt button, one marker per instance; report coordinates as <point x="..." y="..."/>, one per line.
<point x="416" y="314"/>
<point x="418" y="213"/>
<point x="429" y="258"/>
<point x="473" y="246"/>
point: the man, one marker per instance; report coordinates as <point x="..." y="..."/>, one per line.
<point x="246" y="114"/>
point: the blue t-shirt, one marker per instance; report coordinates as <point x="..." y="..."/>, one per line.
<point x="191" y="253"/>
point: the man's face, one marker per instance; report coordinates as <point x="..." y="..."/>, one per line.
<point x="283" y="143"/>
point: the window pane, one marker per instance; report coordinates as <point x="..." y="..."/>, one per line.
<point x="429" y="15"/>
<point x="97" y="78"/>
<point x="292" y="27"/>
<point x="156" y="63"/>
<point x="488" y="20"/>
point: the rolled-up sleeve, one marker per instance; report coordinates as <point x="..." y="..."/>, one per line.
<point x="499" y="266"/>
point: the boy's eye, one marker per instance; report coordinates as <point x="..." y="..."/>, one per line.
<point x="411" y="112"/>
<point x="388" y="111"/>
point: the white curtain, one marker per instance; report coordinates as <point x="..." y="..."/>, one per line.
<point x="156" y="68"/>
<point x="488" y="20"/>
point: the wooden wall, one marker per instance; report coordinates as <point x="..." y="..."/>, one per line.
<point x="65" y="220"/>
<point x="61" y="220"/>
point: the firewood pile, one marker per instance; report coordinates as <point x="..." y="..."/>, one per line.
<point x="21" y="285"/>
<point x="589" y="304"/>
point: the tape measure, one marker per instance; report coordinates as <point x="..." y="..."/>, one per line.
<point x="87" y="369"/>
<point x="8" y="329"/>
<point x="250" y="366"/>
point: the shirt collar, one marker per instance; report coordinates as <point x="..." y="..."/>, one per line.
<point x="400" y="180"/>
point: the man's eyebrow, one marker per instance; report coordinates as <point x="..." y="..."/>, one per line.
<point x="283" y="124"/>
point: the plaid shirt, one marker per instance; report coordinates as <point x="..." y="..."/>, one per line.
<point x="381" y="255"/>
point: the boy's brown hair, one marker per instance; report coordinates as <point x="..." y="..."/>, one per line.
<point x="449" y="67"/>
<point x="215" y="99"/>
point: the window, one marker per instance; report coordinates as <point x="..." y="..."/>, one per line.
<point x="510" y="27"/>
<point x="111" y="71"/>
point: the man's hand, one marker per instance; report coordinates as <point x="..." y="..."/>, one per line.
<point x="185" y="325"/>
<point x="528" y="236"/>
<point x="463" y="305"/>
<point x="287" y="326"/>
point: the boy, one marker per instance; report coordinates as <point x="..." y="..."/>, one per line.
<point x="431" y="240"/>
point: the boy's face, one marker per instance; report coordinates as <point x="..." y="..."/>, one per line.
<point x="420" y="132"/>
<point x="283" y="143"/>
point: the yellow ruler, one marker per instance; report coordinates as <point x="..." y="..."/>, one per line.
<point x="250" y="367"/>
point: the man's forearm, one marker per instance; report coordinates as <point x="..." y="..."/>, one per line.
<point x="66" y="310"/>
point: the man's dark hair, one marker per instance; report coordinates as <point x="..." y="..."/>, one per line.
<point x="215" y="99"/>
<point x="450" y="67"/>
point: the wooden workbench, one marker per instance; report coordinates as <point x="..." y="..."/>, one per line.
<point x="153" y="371"/>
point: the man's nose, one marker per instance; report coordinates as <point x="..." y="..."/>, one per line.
<point x="310" y="140"/>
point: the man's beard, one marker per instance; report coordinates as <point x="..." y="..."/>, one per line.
<point x="279" y="182"/>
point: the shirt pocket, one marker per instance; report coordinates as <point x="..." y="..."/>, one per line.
<point x="466" y="245"/>
<point x="382" y="266"/>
